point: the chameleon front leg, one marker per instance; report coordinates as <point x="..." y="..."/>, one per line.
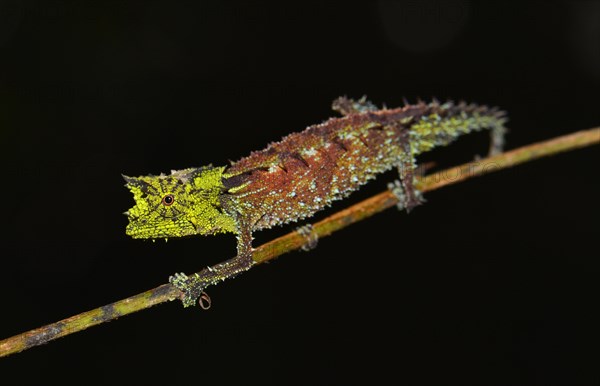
<point x="193" y="286"/>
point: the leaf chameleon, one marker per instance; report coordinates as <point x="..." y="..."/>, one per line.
<point x="303" y="173"/>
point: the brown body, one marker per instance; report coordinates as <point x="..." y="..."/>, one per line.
<point x="303" y="173"/>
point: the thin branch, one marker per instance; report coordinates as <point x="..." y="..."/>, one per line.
<point x="296" y="240"/>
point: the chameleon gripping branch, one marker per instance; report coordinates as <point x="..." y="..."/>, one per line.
<point x="295" y="240"/>
<point x="303" y="173"/>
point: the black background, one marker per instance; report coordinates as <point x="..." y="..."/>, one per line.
<point x="493" y="281"/>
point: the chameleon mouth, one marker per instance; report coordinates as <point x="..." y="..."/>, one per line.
<point x="163" y="230"/>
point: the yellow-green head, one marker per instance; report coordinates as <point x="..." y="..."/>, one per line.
<point x="183" y="203"/>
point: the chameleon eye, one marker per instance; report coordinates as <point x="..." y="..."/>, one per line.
<point x="168" y="200"/>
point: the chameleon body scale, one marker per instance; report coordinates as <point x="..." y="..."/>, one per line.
<point x="303" y="173"/>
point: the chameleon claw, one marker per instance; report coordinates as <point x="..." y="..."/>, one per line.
<point x="179" y="280"/>
<point x="189" y="288"/>
<point x="398" y="191"/>
<point x="405" y="201"/>
<point x="309" y="235"/>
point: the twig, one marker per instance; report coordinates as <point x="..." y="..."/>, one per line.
<point x="296" y="240"/>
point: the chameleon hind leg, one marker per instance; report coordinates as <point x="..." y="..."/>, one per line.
<point x="497" y="131"/>
<point x="497" y="134"/>
<point x="193" y="286"/>
<point x="404" y="189"/>
<point x="408" y="195"/>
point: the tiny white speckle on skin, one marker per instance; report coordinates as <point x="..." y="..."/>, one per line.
<point x="346" y="135"/>
<point x="310" y="152"/>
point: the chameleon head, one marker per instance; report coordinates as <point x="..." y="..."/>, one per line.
<point x="184" y="203"/>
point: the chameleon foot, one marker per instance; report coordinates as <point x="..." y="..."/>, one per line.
<point x="192" y="289"/>
<point x="193" y="286"/>
<point x="179" y="280"/>
<point x="309" y="235"/>
<point x="405" y="201"/>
